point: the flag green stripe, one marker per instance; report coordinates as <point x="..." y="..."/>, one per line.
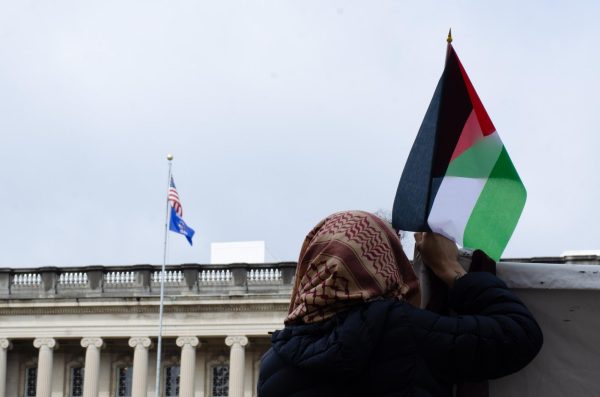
<point x="479" y="160"/>
<point x="497" y="211"/>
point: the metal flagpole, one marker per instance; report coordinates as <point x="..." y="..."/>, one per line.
<point x="162" y="286"/>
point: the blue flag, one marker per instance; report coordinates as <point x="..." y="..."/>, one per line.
<point x="176" y="222"/>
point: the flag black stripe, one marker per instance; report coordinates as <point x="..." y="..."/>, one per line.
<point x="431" y="153"/>
<point x="455" y="108"/>
<point x="410" y="209"/>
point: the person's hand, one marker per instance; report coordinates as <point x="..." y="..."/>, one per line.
<point x="440" y="255"/>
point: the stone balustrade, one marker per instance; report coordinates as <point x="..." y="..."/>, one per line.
<point x="236" y="279"/>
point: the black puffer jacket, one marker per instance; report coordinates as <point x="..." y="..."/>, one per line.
<point x="390" y="348"/>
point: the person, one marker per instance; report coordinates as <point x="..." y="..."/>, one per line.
<point x="354" y="327"/>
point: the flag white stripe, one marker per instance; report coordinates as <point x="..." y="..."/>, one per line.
<point x="453" y="206"/>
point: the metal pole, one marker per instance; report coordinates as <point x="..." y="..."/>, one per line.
<point x="162" y="287"/>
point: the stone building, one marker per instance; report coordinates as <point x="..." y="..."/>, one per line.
<point x="91" y="331"/>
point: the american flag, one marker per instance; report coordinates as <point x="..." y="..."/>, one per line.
<point x="176" y="222"/>
<point x="174" y="199"/>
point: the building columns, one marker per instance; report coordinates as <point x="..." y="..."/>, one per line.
<point x="44" y="373"/>
<point x="92" y="366"/>
<point x="236" y="364"/>
<point x="140" y="366"/>
<point x="4" y="346"/>
<point x="188" y="346"/>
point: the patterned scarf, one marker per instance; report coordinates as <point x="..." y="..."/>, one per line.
<point x="349" y="258"/>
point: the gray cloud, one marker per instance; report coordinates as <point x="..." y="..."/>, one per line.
<point x="278" y="113"/>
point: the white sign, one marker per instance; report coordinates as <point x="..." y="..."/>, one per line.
<point x="237" y="252"/>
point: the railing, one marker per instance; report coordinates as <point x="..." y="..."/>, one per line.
<point x="73" y="279"/>
<point x="269" y="275"/>
<point x="237" y="279"/>
<point x="144" y="280"/>
<point x="171" y="276"/>
<point x="215" y="276"/>
<point x="26" y="280"/>
<point x="121" y="279"/>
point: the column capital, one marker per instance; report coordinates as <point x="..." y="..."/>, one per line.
<point x="143" y="341"/>
<point x="187" y="340"/>
<point x="48" y="342"/>
<point x="5" y="344"/>
<point x="97" y="342"/>
<point x="236" y="340"/>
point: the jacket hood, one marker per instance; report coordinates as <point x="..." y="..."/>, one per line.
<point x="342" y="344"/>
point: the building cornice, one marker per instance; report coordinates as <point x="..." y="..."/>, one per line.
<point x="106" y="307"/>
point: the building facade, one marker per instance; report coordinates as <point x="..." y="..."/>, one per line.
<point x="83" y="332"/>
<point x="91" y="331"/>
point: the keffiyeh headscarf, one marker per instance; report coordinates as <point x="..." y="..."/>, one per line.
<point x="349" y="258"/>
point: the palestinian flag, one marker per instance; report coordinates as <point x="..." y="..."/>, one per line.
<point x="458" y="180"/>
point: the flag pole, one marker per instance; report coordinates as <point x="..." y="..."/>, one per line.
<point x="449" y="41"/>
<point x="162" y="286"/>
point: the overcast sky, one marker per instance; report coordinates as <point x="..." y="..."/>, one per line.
<point x="278" y="113"/>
